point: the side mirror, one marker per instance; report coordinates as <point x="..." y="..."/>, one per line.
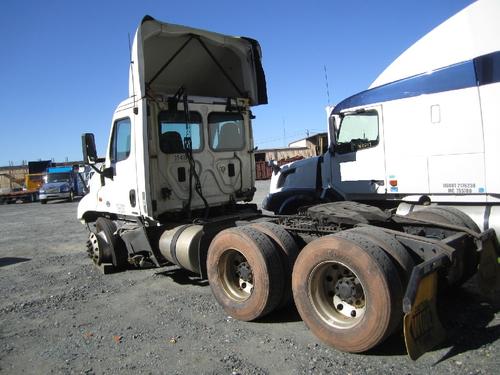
<point x="332" y="133"/>
<point x="88" y="149"/>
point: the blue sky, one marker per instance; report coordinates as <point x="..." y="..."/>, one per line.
<point x="64" y="64"/>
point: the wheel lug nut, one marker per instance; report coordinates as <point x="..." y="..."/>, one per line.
<point x="340" y="306"/>
<point x="353" y="313"/>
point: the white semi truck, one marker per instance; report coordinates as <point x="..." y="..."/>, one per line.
<point x="172" y="190"/>
<point x="423" y="134"/>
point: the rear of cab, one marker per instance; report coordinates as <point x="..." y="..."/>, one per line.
<point x="183" y="82"/>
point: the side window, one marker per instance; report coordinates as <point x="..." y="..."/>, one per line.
<point x="357" y="132"/>
<point x="173" y="131"/>
<point x="120" y="142"/>
<point x="226" y="131"/>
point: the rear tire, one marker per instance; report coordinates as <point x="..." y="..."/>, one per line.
<point x="347" y="292"/>
<point x="462" y="218"/>
<point x="392" y="247"/>
<point x="451" y="215"/>
<point x="288" y="251"/>
<point x="245" y="273"/>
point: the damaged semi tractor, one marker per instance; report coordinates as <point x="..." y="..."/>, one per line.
<point x="173" y="186"/>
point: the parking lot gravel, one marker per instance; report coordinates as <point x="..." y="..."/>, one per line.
<point x="59" y="314"/>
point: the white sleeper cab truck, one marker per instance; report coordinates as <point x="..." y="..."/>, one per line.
<point x="172" y="187"/>
<point x="424" y="134"/>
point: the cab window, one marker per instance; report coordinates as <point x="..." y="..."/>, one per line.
<point x="173" y="131"/>
<point x="120" y="142"/>
<point x="226" y="131"/>
<point x="358" y="131"/>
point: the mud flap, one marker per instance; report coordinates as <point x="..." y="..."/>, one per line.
<point x="489" y="267"/>
<point x="422" y="328"/>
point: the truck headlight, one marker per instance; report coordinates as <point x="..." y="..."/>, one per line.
<point x="64" y="189"/>
<point x="41" y="191"/>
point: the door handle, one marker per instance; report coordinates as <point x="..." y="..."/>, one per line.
<point x="131" y="196"/>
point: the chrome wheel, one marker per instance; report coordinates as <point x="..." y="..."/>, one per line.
<point x="93" y="248"/>
<point x="96" y="245"/>
<point x="337" y="294"/>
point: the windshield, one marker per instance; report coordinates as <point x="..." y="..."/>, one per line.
<point x="58" y="177"/>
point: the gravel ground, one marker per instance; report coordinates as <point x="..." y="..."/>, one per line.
<point x="59" y="314"/>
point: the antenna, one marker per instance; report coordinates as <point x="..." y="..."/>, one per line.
<point x="326" y="82"/>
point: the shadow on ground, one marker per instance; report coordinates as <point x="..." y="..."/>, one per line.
<point x="183" y="277"/>
<point x="7" y="261"/>
<point x="466" y="316"/>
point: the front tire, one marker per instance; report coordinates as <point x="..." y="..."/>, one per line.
<point x="245" y="273"/>
<point x="347" y="292"/>
<point x="43" y="201"/>
<point x="113" y="249"/>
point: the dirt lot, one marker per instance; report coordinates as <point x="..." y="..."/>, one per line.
<point x="59" y="314"/>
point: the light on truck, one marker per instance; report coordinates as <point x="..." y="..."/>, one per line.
<point x="393" y="183"/>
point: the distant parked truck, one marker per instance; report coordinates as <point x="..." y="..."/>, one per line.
<point x="61" y="183"/>
<point x="18" y="194"/>
<point x="33" y="181"/>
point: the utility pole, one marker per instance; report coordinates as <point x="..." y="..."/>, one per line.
<point x="11" y="164"/>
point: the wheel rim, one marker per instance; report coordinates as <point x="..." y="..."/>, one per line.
<point x="236" y="275"/>
<point x="95" y="249"/>
<point x="337" y="295"/>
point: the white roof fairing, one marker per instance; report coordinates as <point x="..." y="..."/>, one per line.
<point x="472" y="32"/>
<point x="166" y="57"/>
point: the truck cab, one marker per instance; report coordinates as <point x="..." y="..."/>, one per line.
<point x="60" y="183"/>
<point x="181" y="143"/>
<point x="422" y="134"/>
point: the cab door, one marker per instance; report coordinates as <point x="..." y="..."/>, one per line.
<point x="119" y="193"/>
<point x="358" y="165"/>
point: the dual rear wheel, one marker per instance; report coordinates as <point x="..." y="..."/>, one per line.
<point x="245" y="273"/>
<point x="347" y="289"/>
<point x="249" y="269"/>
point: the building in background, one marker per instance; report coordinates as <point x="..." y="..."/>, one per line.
<point x="313" y="145"/>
